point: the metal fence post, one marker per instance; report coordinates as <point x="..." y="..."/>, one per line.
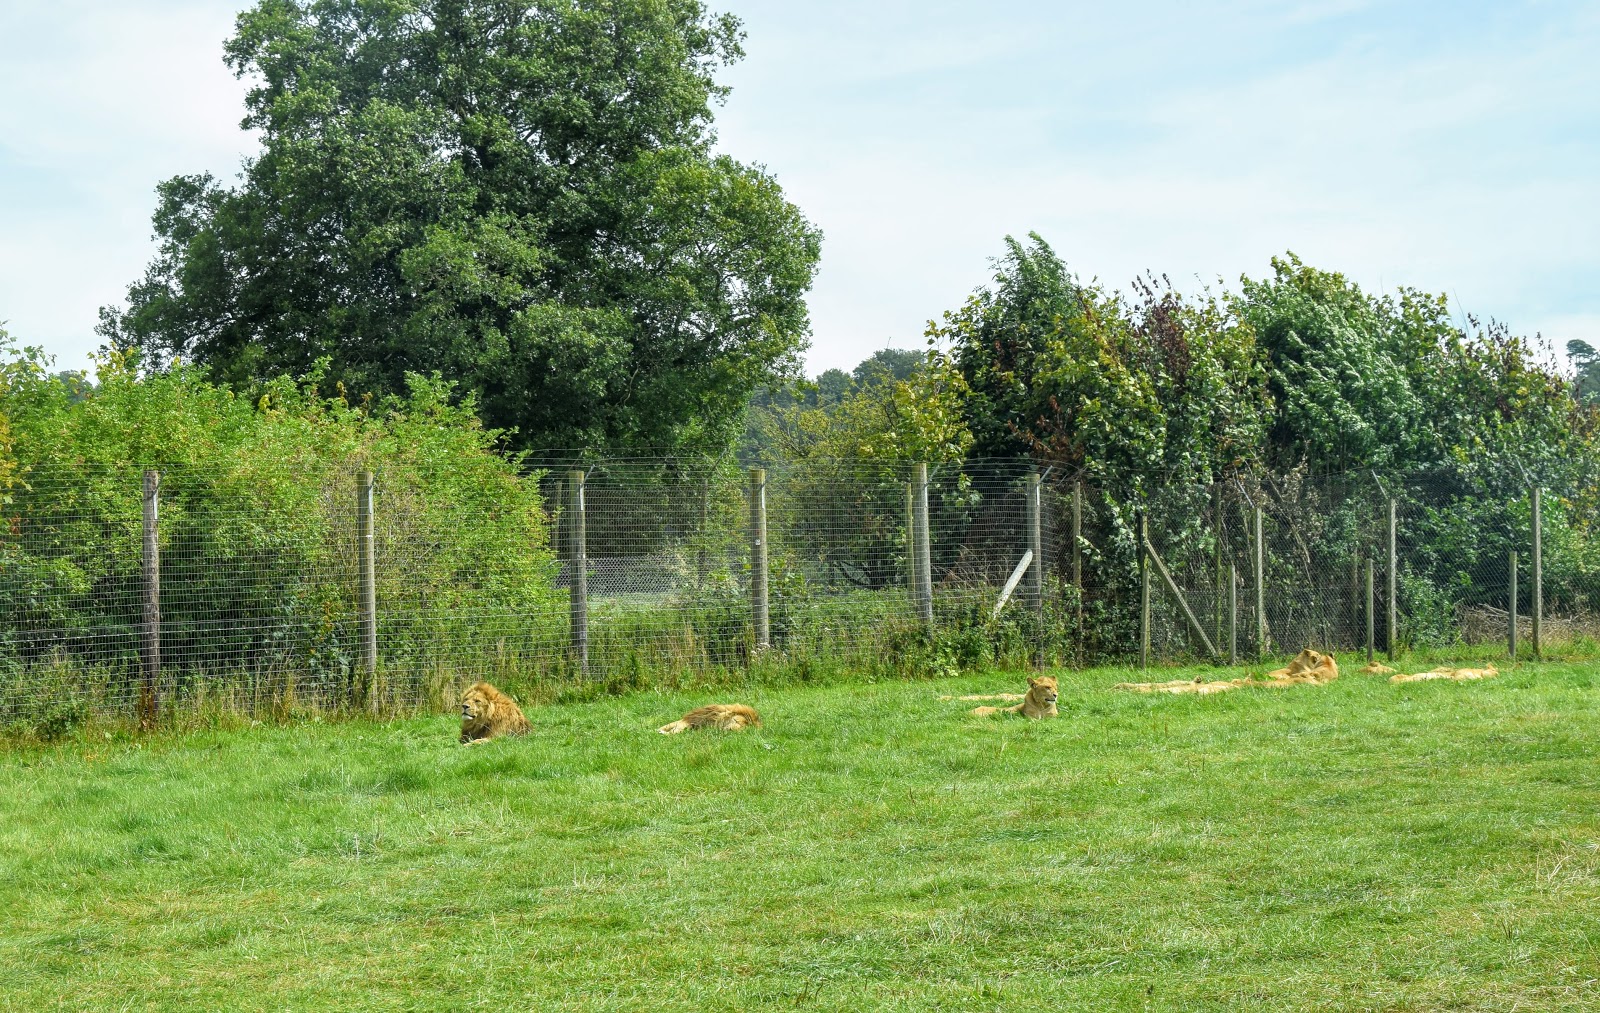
<point x="578" y="559"/>
<point x="1372" y="619"/>
<point x="1144" y="592"/>
<point x="1261" y="583"/>
<point x="759" y="616"/>
<point x="367" y="589"/>
<point x="1392" y="632"/>
<point x="1511" y="610"/>
<point x="1036" y="567"/>
<point x="1233" y="614"/>
<point x="1538" y="575"/>
<point x="150" y="632"/>
<point x="1077" y="565"/>
<point x="919" y="510"/>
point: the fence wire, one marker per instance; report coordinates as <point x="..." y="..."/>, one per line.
<point x="260" y="574"/>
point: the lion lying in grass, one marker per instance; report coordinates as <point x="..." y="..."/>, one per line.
<point x="1194" y="686"/>
<point x="1452" y="674"/>
<point x="1309" y="668"/>
<point x="1038" y="702"/>
<point x="487" y="713"/>
<point x="724" y="717"/>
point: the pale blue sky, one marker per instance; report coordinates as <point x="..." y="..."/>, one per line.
<point x="1449" y="146"/>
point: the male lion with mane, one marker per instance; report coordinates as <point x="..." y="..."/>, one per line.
<point x="487" y="713"/>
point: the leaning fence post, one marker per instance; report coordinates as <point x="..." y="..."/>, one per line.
<point x="1036" y="567"/>
<point x="578" y="559"/>
<point x="1393" y="619"/>
<point x="1511" y="609"/>
<point x="367" y="589"/>
<point x="1372" y="623"/>
<point x="1261" y="583"/>
<point x="1538" y="575"/>
<point x="759" y="616"/>
<point x="924" y="568"/>
<point x="1144" y="592"/>
<point x="150" y="634"/>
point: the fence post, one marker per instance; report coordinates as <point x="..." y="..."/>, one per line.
<point x="1511" y="610"/>
<point x="578" y="559"/>
<point x="367" y="588"/>
<point x="1392" y="632"/>
<point x="1233" y="614"/>
<point x="1538" y="575"/>
<point x="150" y="633"/>
<point x="759" y="617"/>
<point x="1144" y="592"/>
<point x="1261" y="583"/>
<point x="1036" y="568"/>
<point x="1077" y="564"/>
<point x="704" y="533"/>
<point x="924" y="568"/>
<point x="1372" y="619"/>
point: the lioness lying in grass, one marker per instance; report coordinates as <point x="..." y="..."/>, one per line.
<point x="1039" y="702"/>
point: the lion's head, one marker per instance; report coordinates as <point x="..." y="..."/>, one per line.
<point x="477" y="707"/>
<point x="1043" y="690"/>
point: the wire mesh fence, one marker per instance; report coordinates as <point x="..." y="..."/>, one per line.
<point x="312" y="584"/>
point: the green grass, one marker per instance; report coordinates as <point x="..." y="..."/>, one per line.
<point x="1359" y="846"/>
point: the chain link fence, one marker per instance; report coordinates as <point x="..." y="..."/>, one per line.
<point x="308" y="584"/>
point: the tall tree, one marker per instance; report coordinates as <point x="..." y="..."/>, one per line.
<point x="521" y="194"/>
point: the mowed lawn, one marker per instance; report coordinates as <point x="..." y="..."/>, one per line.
<point x="1359" y="846"/>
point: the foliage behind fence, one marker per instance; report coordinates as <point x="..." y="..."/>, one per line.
<point x="474" y="566"/>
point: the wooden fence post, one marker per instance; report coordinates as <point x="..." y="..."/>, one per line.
<point x="150" y="632"/>
<point x="924" y="543"/>
<point x="367" y="589"/>
<point x="578" y="559"/>
<point x="1036" y="568"/>
<point x="760" y="618"/>
<point x="1538" y="575"/>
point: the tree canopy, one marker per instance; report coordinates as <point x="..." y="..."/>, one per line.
<point x="523" y="196"/>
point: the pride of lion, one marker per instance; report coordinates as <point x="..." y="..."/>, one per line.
<point x="487" y="713"/>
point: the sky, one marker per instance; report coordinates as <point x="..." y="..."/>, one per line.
<point x="1452" y="147"/>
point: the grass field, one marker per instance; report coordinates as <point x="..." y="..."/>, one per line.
<point x="1359" y="846"/>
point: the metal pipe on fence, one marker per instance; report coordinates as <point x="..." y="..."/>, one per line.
<point x="1036" y="567"/>
<point x="367" y="589"/>
<point x="578" y="559"/>
<point x="1144" y="592"/>
<point x="1538" y="575"/>
<point x="1511" y="609"/>
<point x="1199" y="631"/>
<point x="759" y="616"/>
<point x="924" y="545"/>
<point x="1392" y="633"/>
<point x="150" y="626"/>
<point x="1372" y="619"/>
